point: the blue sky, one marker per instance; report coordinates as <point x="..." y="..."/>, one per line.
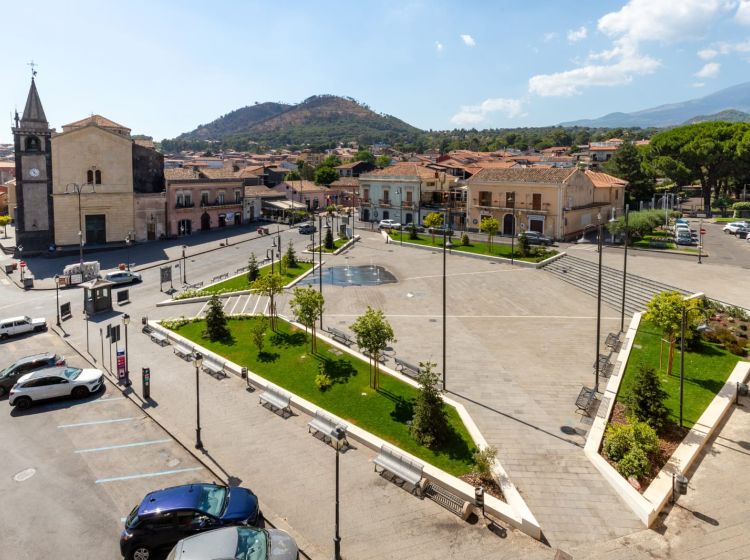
<point x="162" y="68"/>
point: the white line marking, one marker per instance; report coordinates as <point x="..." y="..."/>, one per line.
<point x="239" y="299"/>
<point x="226" y="303"/>
<point x="122" y="446"/>
<point x="147" y="475"/>
<point x="104" y="400"/>
<point x="265" y="309"/>
<point x="482" y="316"/>
<point x="247" y="300"/>
<point x="200" y="312"/>
<point x="97" y="422"/>
<point x="257" y="301"/>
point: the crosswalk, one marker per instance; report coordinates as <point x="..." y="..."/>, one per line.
<point x="246" y="304"/>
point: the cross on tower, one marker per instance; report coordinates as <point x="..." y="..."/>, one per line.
<point x="33" y="65"/>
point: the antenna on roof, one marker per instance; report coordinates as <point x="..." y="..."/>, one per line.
<point x="33" y="65"/>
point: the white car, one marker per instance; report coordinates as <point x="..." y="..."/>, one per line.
<point x="237" y="542"/>
<point x="732" y="227"/>
<point x="388" y="224"/>
<point x="123" y="277"/>
<point x="20" y="325"/>
<point x="55" y="382"/>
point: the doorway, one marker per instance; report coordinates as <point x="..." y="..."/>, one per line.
<point x="96" y="229"/>
<point x="205" y="221"/>
<point x="509" y="225"/>
<point x="151" y="231"/>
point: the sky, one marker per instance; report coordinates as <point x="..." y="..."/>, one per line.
<point x="164" y="67"/>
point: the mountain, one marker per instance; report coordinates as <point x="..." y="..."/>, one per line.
<point x="730" y="115"/>
<point x="735" y="98"/>
<point x="318" y="120"/>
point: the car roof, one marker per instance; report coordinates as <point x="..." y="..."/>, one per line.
<point x="19" y="318"/>
<point x="219" y="543"/>
<point x="35" y="357"/>
<point x="171" y="499"/>
<point x="46" y="372"/>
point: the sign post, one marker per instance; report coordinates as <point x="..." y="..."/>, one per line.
<point x="146" y="373"/>
<point x="120" y="366"/>
<point x="700" y="240"/>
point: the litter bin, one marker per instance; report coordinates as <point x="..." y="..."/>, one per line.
<point x="28" y="283"/>
<point x="9" y="268"/>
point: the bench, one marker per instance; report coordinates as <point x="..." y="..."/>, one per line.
<point x="276" y="399"/>
<point x="341" y="336"/>
<point x="613" y="342"/>
<point x="326" y="426"/>
<point x="401" y="467"/>
<point x="159" y="338"/>
<point x="405" y="367"/>
<point x="214" y="367"/>
<point x="183" y="351"/>
<point x="585" y="398"/>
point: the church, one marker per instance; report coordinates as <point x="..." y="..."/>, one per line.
<point x="91" y="185"/>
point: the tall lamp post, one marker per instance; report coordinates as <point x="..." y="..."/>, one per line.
<point x="198" y="362"/>
<point x="445" y="243"/>
<point x="128" y="240"/>
<point x="184" y="265"/>
<point x="701" y="328"/>
<point x="513" y="229"/>
<point x="75" y="188"/>
<point x="624" y="271"/>
<point x="126" y="322"/>
<point x="401" y="216"/>
<point x="338" y="441"/>
<point x="598" y="300"/>
<point x="57" y="297"/>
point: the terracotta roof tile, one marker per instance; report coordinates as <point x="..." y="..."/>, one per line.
<point x="404" y="169"/>
<point x="181" y="174"/>
<point x="97" y="120"/>
<point x="522" y="175"/>
<point x="347" y="182"/>
<point x="222" y="173"/>
<point x="604" y="180"/>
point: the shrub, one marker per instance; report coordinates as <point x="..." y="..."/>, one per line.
<point x="413" y="231"/>
<point x="741" y="209"/>
<point x="258" y="333"/>
<point x="617" y="441"/>
<point x="252" y="268"/>
<point x="328" y="240"/>
<point x="175" y="324"/>
<point x="216" y="320"/>
<point x="291" y="256"/>
<point x="465" y="241"/>
<point x="323" y="381"/>
<point x="644" y="436"/>
<point x="634" y="463"/>
<point x="646" y="402"/>
<point x="430" y="424"/>
<point x="484" y="460"/>
<point x="524" y="249"/>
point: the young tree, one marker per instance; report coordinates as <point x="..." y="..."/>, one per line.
<point x="364" y="155"/>
<point x="291" y="256"/>
<point x="293" y="176"/>
<point x="216" y="320"/>
<point x="307" y="304"/>
<point x="373" y="333"/>
<point x="328" y="242"/>
<point x="270" y="286"/>
<point x="258" y="333"/>
<point x="489" y="226"/>
<point x="665" y="311"/>
<point x="252" y="268"/>
<point x="523" y="245"/>
<point x="383" y="161"/>
<point x="5" y="221"/>
<point x="646" y="402"/>
<point x="433" y="220"/>
<point x="331" y="161"/>
<point x="325" y="175"/>
<point x="430" y="424"/>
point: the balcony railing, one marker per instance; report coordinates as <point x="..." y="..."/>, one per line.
<point x="184" y="205"/>
<point x="218" y="204"/>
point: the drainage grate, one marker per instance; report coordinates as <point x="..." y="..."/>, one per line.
<point x="449" y="501"/>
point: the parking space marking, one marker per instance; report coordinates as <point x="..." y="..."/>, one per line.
<point x="239" y="299"/>
<point x="98" y="422"/>
<point x="105" y="400"/>
<point x="265" y="309"/>
<point x="257" y="303"/>
<point x="247" y="300"/>
<point x="122" y="446"/>
<point x="200" y="312"/>
<point x="147" y="475"/>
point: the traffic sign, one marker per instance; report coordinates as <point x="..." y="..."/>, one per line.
<point x="703" y="232"/>
<point x="22" y="264"/>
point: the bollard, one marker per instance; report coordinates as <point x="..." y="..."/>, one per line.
<point x="479" y="498"/>
<point x="679" y="486"/>
<point x="146" y="379"/>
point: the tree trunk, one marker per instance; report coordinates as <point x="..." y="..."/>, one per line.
<point x="670" y="361"/>
<point x="706" y="191"/>
<point x="377" y="371"/>
<point x="313" y="339"/>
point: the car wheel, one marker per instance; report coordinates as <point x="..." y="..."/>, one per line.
<point x="3" y="336"/>
<point x="80" y="392"/>
<point x="140" y="553"/>
<point x="22" y="403"/>
<point x="2" y="391"/>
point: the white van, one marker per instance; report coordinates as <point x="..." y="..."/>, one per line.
<point x="20" y="325"/>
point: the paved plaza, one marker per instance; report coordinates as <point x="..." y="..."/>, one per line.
<point x="520" y="345"/>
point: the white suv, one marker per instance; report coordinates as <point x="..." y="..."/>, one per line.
<point x="388" y="224"/>
<point x="20" y="325"/>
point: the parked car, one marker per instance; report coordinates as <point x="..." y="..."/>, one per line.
<point x="55" y="382"/>
<point x="20" y="325"/>
<point x="237" y="542"/>
<point x="307" y="228"/>
<point x="536" y="238"/>
<point x="166" y="516"/>
<point x="388" y="224"/>
<point x="440" y="230"/>
<point x="732" y="227"/>
<point x="683" y="237"/>
<point x="123" y="277"/>
<point x="10" y="375"/>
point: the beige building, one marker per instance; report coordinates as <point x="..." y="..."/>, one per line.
<point x="560" y="203"/>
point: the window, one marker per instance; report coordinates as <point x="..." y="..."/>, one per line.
<point x="386" y="196"/>
<point x="408" y="197"/>
<point x="180" y="200"/>
<point x="33" y="144"/>
<point x="365" y="195"/>
<point x="220" y="197"/>
<point x="98" y="177"/>
<point x="617" y="195"/>
<point x="204" y="198"/>
<point x="188" y="199"/>
<point x="89" y="176"/>
<point x="536" y="201"/>
<point x="510" y="200"/>
<point x="485" y="198"/>
<point x="237" y="196"/>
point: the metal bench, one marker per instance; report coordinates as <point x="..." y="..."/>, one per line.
<point x="159" y="338"/>
<point x="406" y="367"/>
<point x="585" y="398"/>
<point x="214" y="367"/>
<point x="340" y="336"/>
<point x="401" y="467"/>
<point x="276" y="399"/>
<point x="613" y="342"/>
<point x="183" y="351"/>
<point x="605" y="366"/>
<point x="326" y="426"/>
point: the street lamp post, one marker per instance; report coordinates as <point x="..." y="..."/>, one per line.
<point x="57" y="297"/>
<point x="184" y="265"/>
<point x="338" y="441"/>
<point x="20" y="257"/>
<point x="269" y="253"/>
<point x="598" y="301"/>
<point x="624" y="271"/>
<point x="77" y="189"/>
<point x="126" y="321"/>
<point x="401" y="217"/>
<point x="127" y="249"/>
<point x="513" y="229"/>
<point x="198" y="362"/>
<point x="445" y="242"/>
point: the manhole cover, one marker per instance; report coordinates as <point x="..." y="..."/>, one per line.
<point x="25" y="474"/>
<point x="569" y="430"/>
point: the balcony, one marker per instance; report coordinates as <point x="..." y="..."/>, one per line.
<point x="217" y="204"/>
<point x="385" y="202"/>
<point x="184" y="205"/>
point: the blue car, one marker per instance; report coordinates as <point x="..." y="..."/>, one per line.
<point x="169" y="515"/>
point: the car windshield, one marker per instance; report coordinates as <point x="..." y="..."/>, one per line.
<point x="6" y="371"/>
<point x="132" y="519"/>
<point x="71" y="373"/>
<point x="252" y="544"/>
<point x="212" y="499"/>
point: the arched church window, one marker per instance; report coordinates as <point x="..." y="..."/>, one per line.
<point x="98" y="175"/>
<point x="89" y="176"/>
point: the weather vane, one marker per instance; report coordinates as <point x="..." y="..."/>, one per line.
<point x="33" y="65"/>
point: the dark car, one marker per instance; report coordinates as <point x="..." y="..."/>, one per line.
<point x="169" y="515"/>
<point x="12" y="373"/>
<point x="307" y="229"/>
<point x="536" y="238"/>
<point x="442" y="230"/>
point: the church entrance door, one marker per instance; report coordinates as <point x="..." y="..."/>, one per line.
<point x="96" y="229"/>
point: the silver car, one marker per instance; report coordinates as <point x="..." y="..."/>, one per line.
<point x="123" y="277"/>
<point x="55" y="382"/>
<point x="240" y="543"/>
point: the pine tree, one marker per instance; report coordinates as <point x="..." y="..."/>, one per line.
<point x="252" y="268"/>
<point x="646" y="402"/>
<point x="291" y="256"/>
<point x="329" y="239"/>
<point x="430" y="424"/>
<point x="216" y="320"/>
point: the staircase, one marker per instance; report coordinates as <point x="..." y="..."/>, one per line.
<point x="583" y="275"/>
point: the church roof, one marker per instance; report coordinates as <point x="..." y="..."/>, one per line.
<point x="33" y="113"/>
<point x="101" y="122"/>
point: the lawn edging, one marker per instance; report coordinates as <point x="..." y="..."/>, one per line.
<point x="648" y="506"/>
<point x="505" y="260"/>
<point x="345" y="246"/>
<point x="515" y="511"/>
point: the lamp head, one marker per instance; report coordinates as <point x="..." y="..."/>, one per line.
<point x="126" y="319"/>
<point x="339" y="437"/>
<point x="198" y="359"/>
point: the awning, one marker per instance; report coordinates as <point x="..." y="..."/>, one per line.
<point x="284" y="205"/>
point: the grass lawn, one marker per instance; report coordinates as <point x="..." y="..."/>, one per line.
<point x="286" y="360"/>
<point x="337" y="244"/>
<point x="478" y="247"/>
<point x="726" y="220"/>
<point x="706" y="371"/>
<point x="237" y="283"/>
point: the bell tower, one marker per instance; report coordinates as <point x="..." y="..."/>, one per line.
<point x="33" y="150"/>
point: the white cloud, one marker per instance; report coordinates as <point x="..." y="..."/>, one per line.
<point x="724" y="48"/>
<point x="475" y="114"/>
<point x="710" y="70"/>
<point x="698" y="84"/>
<point x="550" y="36"/>
<point x="468" y="40"/>
<point x="743" y="12"/>
<point x="438" y="46"/>
<point x="577" y="34"/>
<point x="708" y="54"/>
<point x="638" y="21"/>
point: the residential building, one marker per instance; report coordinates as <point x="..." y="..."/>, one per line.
<point x="310" y="196"/>
<point x="354" y="168"/>
<point x="559" y="202"/>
